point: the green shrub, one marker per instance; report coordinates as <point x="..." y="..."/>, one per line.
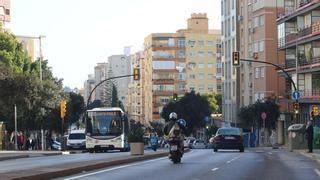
<point x="136" y="135"/>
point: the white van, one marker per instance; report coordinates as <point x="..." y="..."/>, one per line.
<point x="77" y="139"/>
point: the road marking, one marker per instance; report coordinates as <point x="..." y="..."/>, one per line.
<point x="112" y="169"/>
<point x="233" y="159"/>
<point x="270" y="153"/>
<point x="214" y="169"/>
<point x="317" y="171"/>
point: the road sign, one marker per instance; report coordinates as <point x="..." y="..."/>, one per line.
<point x="263" y="116"/>
<point x="296" y="95"/>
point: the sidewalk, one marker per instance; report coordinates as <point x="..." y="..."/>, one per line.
<point x="7" y="155"/>
<point x="314" y="156"/>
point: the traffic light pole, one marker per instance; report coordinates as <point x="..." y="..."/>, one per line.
<point x="101" y="83"/>
<point x="275" y="65"/>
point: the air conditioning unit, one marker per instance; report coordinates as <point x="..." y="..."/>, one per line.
<point x="251" y="30"/>
<point x="240" y="18"/>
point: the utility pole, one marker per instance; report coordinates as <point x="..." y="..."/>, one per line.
<point x="15" y="128"/>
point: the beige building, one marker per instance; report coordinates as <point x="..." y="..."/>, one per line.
<point x="179" y="62"/>
<point x="135" y="105"/>
<point x="5" y="15"/>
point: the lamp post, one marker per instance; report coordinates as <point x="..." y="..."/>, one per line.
<point x="40" y="37"/>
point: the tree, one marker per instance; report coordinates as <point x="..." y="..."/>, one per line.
<point x="75" y="108"/>
<point x="215" y="102"/>
<point x="192" y="107"/>
<point x="251" y="115"/>
<point x="158" y="128"/>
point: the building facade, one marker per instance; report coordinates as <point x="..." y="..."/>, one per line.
<point x="299" y="39"/>
<point x="89" y="84"/>
<point x="179" y="62"/>
<point x="230" y="87"/>
<point x="119" y="66"/>
<point x="135" y="99"/>
<point x="5" y="14"/>
<point x="100" y="74"/>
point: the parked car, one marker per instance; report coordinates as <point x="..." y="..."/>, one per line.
<point x="228" y="138"/>
<point x="56" y="145"/>
<point x="198" y="144"/>
<point x="76" y="139"/>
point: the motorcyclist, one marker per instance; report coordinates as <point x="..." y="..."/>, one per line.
<point x="168" y="129"/>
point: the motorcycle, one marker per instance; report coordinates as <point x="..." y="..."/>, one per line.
<point x="176" y="141"/>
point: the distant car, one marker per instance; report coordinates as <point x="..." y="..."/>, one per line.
<point x="190" y="142"/>
<point x="199" y="144"/>
<point x="228" y="138"/>
<point x="56" y="145"/>
<point x="76" y="139"/>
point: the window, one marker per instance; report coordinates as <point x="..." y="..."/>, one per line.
<point x="191" y="43"/>
<point x="201" y="53"/>
<point x="232" y="22"/>
<point x="262" y="71"/>
<point x="210" y="54"/>
<point x="182" y="76"/>
<point x="210" y="76"/>
<point x="181" y="87"/>
<point x="201" y="87"/>
<point x="192" y="87"/>
<point x="261" y="46"/>
<point x="170" y="42"/>
<point x="210" y="65"/>
<point x="257" y="73"/>
<point x="191" y="65"/>
<point x="201" y="43"/>
<point x="209" y="43"/>
<point x="191" y="54"/>
<point x="201" y="76"/>
<point x="181" y="54"/>
<point x="219" y="65"/>
<point x="181" y="43"/>
<point x="192" y="76"/>
<point x="201" y="65"/>
<point x="261" y="20"/>
<point x="210" y="87"/>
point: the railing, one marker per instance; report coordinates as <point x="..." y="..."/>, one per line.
<point x="291" y="63"/>
<point x="309" y="30"/>
<point x="310" y="93"/>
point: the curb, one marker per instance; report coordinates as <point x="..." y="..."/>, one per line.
<point x="13" y="157"/>
<point x="311" y="156"/>
<point x="66" y="170"/>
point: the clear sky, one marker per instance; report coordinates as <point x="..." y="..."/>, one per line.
<point x="81" y="33"/>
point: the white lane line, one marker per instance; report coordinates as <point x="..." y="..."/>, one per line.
<point x="270" y="153"/>
<point x="317" y="171"/>
<point x="112" y="169"/>
<point x="233" y="159"/>
<point x="214" y="169"/>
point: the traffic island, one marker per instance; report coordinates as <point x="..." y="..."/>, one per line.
<point x="75" y="168"/>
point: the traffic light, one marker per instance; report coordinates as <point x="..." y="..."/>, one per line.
<point x="63" y="108"/>
<point x="296" y="107"/>
<point x="136" y="74"/>
<point x="235" y="58"/>
<point x="315" y="111"/>
<point x="175" y="96"/>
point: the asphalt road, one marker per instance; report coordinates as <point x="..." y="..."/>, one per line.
<point x="262" y="164"/>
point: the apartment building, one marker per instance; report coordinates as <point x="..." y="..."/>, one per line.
<point x="135" y="98"/>
<point x="178" y="62"/>
<point x="5" y="15"/>
<point x="120" y="65"/>
<point x="299" y="39"/>
<point x="89" y="84"/>
<point x="230" y="87"/>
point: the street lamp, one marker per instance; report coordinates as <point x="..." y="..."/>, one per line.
<point x="40" y="37"/>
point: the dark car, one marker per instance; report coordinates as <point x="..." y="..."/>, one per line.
<point x="228" y="138"/>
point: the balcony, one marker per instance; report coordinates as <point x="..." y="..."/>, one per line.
<point x="303" y="64"/>
<point x="292" y="12"/>
<point x="304" y="35"/>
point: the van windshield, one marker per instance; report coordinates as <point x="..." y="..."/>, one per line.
<point x="77" y="136"/>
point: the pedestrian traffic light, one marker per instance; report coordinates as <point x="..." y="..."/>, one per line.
<point x="296" y="107"/>
<point x="175" y="96"/>
<point x="235" y="58"/>
<point x="136" y="74"/>
<point x="63" y="108"/>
